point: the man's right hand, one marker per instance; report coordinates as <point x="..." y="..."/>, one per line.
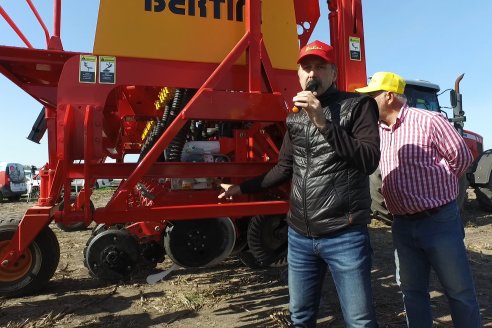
<point x="229" y="190"/>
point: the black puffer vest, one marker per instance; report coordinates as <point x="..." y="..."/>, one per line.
<point x="328" y="194"/>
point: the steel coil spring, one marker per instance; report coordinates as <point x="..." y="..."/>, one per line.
<point x="148" y="189"/>
<point x="175" y="148"/>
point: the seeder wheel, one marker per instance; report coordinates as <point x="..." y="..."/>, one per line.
<point x="267" y="240"/>
<point x="199" y="243"/>
<point x="112" y="255"/>
<point x="75" y="226"/>
<point x="151" y="251"/>
<point x="35" y="266"/>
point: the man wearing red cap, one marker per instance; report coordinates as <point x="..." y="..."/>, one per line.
<point x="331" y="147"/>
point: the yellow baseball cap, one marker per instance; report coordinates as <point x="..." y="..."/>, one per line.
<point x="384" y="81"/>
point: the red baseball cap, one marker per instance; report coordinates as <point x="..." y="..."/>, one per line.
<point x="320" y="49"/>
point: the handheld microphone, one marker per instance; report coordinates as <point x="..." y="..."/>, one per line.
<point x="312" y="86"/>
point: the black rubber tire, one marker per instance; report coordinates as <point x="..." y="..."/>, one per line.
<point x="45" y="256"/>
<point x="267" y="239"/>
<point x="77" y="226"/>
<point x="378" y="207"/>
<point x="484" y="196"/>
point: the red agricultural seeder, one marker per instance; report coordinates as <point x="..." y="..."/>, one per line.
<point x="205" y="106"/>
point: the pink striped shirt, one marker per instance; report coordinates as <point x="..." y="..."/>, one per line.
<point x="422" y="156"/>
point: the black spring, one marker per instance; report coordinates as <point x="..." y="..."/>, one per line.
<point x="171" y="111"/>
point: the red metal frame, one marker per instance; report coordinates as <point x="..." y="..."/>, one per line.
<point x="345" y="22"/>
<point x="52" y="42"/>
<point x="307" y="13"/>
<point x="84" y="120"/>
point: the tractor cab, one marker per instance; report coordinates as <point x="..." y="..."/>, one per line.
<point x="422" y="94"/>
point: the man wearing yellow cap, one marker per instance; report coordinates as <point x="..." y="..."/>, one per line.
<point x="422" y="158"/>
<point x="331" y="147"/>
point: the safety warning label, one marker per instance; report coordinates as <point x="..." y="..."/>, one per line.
<point x="87" y="69"/>
<point x="354" y="48"/>
<point x="107" y="69"/>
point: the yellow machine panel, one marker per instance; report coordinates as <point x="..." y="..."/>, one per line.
<point x="192" y="30"/>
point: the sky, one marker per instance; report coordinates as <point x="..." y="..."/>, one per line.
<point x="418" y="39"/>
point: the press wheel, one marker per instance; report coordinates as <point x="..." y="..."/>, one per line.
<point x="199" y="243"/>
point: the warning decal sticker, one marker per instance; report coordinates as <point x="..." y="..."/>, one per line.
<point x="107" y="69"/>
<point x="87" y="69"/>
<point x="354" y="48"/>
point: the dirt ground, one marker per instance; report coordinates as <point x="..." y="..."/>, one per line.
<point x="227" y="295"/>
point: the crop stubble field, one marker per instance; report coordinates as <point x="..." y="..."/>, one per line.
<point x="226" y="295"/>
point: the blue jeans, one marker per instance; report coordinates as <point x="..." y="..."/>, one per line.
<point x="348" y="256"/>
<point x="434" y="241"/>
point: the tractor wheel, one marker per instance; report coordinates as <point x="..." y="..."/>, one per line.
<point x="378" y="207"/>
<point x="484" y="196"/>
<point x="35" y="266"/>
<point x="267" y="239"/>
<point x="76" y="226"/>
